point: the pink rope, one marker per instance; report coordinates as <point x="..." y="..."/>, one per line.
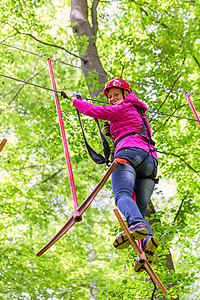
<point x="139" y="241"/>
<point x="64" y="140"/>
<point x="187" y="96"/>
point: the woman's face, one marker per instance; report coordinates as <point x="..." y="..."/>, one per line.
<point x="115" y="96"/>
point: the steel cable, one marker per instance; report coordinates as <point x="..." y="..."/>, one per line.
<point x="111" y="77"/>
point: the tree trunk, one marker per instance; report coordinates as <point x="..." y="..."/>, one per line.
<point x="81" y="27"/>
<point x="167" y="258"/>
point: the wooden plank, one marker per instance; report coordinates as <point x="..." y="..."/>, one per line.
<point x="140" y="253"/>
<point x="2" y="144"/>
<point x="77" y="214"/>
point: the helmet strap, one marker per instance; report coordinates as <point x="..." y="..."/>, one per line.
<point x="123" y="93"/>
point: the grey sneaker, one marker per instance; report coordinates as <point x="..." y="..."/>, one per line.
<point x="150" y="245"/>
<point x="138" y="231"/>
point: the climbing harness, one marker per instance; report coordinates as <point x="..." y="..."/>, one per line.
<point x="149" y="140"/>
<point x="142" y="132"/>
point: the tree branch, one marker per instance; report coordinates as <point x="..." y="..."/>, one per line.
<point x="6" y="94"/>
<point x="176" y="216"/>
<point x="198" y="63"/>
<point x="28" y="167"/>
<point x="168" y="118"/>
<point x="44" y="43"/>
<point x="8" y="37"/>
<point x="53" y="175"/>
<point x="146" y="13"/>
<point x="94" y="17"/>
<point x="168" y="93"/>
<point x="21" y="87"/>
<point x="166" y="97"/>
<point x="179" y="156"/>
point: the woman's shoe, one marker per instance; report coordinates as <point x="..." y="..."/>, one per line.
<point x="138" y="231"/>
<point x="150" y="245"/>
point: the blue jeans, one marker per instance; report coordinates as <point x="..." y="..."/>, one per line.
<point x="125" y="178"/>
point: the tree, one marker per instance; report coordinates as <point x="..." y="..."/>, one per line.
<point x="155" y="45"/>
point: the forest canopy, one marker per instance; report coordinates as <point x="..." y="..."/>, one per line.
<point x="153" y="44"/>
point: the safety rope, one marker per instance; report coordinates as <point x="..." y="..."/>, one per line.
<point x="64" y="140"/>
<point x="43" y="87"/>
<point x="91" y="71"/>
<point x="55" y="60"/>
<point x="187" y="96"/>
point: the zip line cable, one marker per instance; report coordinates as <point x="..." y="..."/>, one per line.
<point x="52" y="90"/>
<point x="27" y="51"/>
<point x="20" y="80"/>
<point x="111" y="77"/>
<point x="54" y="59"/>
<point x="43" y="87"/>
<point x="174" y="116"/>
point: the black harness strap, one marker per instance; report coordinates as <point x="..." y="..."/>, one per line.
<point x="142" y="132"/>
<point x="97" y="157"/>
<point x="106" y="147"/>
<point x="149" y="141"/>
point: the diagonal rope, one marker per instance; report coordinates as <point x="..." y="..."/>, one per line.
<point x="95" y="72"/>
<point x="27" y="82"/>
<point x="64" y="140"/>
<point x="52" y="90"/>
<point x="55" y="60"/>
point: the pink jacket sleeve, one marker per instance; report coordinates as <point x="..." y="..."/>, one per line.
<point x="110" y="113"/>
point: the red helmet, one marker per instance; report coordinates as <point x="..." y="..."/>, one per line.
<point x="119" y="83"/>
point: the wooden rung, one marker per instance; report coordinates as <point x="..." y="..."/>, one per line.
<point x="2" y="144"/>
<point x="77" y="214"/>
<point x="139" y="252"/>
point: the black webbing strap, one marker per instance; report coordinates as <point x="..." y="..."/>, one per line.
<point x="106" y="147"/>
<point x="96" y="157"/>
<point x="142" y="132"/>
<point x="150" y="141"/>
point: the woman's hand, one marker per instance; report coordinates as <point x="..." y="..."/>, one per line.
<point x="72" y="99"/>
<point x="75" y="95"/>
<point x="71" y="96"/>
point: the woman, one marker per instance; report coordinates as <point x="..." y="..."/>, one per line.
<point x="133" y="142"/>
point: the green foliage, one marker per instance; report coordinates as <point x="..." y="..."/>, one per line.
<point x="154" y="43"/>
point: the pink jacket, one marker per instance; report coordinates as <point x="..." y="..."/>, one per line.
<point x="123" y="118"/>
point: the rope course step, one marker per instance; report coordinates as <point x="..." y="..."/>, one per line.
<point x="140" y="253"/>
<point x="2" y="144"/>
<point x="77" y="213"/>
